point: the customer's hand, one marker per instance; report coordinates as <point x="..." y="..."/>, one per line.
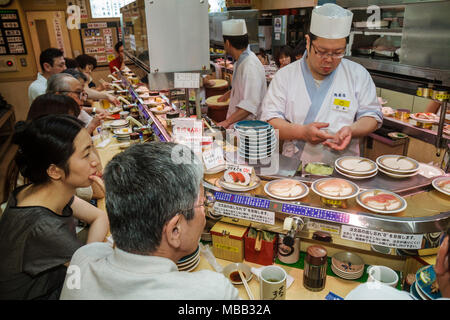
<point x="113" y="99"/>
<point x="98" y="186"/>
<point x="442" y="268"/>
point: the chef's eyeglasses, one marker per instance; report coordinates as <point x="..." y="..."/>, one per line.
<point x="323" y="55"/>
<point x="82" y="94"/>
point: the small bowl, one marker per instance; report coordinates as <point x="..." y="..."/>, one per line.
<point x="230" y="271"/>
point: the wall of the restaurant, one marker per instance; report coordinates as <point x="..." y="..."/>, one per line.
<point x="12" y="83"/>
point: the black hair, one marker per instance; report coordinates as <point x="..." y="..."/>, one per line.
<point x="48" y="55"/>
<point x="84" y="59"/>
<point x="237" y="42"/>
<point x="313" y="37"/>
<point x="77" y="74"/>
<point x="45" y="141"/>
<point x="71" y="63"/>
<point x="50" y="103"/>
<point x="286" y="51"/>
<point x="300" y="48"/>
<point x="117" y="46"/>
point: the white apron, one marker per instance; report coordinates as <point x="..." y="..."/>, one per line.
<point x="342" y="98"/>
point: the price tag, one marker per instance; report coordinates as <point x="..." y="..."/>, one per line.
<point x="188" y="132"/>
<point x="187" y="80"/>
<point x="239" y="168"/>
<point x="387" y="239"/>
<point x="213" y="158"/>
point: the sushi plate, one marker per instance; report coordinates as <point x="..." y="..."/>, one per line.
<point x="373" y="193"/>
<point x="437" y="184"/>
<point x="234" y="187"/>
<point x="304" y="192"/>
<point x="425" y="278"/>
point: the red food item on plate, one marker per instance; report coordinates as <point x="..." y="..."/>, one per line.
<point x="381" y="198"/>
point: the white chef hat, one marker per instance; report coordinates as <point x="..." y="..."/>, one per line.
<point x="331" y="21"/>
<point x="234" y="27"/>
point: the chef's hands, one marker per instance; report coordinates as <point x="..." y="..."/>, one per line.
<point x="224" y="124"/>
<point x="340" y="140"/>
<point x="314" y="135"/>
<point x="442" y="268"/>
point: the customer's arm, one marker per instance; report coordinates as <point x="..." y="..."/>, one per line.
<point x="96" y="219"/>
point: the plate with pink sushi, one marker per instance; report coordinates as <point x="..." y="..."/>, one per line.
<point x="239" y="181"/>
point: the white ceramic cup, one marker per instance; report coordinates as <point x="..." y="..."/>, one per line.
<point x="273" y="283"/>
<point x="382" y="274"/>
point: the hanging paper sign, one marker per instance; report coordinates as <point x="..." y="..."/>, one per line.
<point x="213" y="157"/>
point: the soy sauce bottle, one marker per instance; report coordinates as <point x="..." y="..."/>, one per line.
<point x="315" y="273"/>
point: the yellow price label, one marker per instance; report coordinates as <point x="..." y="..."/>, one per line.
<point x="225" y="247"/>
<point x="341" y="103"/>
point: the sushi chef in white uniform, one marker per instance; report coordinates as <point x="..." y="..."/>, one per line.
<point x="249" y="81"/>
<point x="322" y="104"/>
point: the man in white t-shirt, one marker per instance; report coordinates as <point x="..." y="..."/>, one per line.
<point x="52" y="62"/>
<point x="156" y="210"/>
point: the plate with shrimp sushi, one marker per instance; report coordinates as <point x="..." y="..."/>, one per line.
<point x="381" y="201"/>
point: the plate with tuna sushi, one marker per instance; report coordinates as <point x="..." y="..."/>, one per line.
<point x="381" y="201"/>
<point x="239" y="181"/>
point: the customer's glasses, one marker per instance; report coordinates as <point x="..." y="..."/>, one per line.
<point x="323" y="55"/>
<point x="207" y="201"/>
<point x="82" y="94"/>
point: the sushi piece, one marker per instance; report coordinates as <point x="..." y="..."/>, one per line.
<point x="335" y="187"/>
<point x="445" y="185"/>
<point x="237" y="177"/>
<point x="382" y="201"/>
<point x="286" y="188"/>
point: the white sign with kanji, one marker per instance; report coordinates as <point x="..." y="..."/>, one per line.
<point x="386" y="239"/>
<point x="246" y="213"/>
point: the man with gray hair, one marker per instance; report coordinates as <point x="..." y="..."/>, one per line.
<point x="155" y="205"/>
<point x="66" y="84"/>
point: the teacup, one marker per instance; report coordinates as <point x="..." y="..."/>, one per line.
<point x="382" y="274"/>
<point x="273" y="283"/>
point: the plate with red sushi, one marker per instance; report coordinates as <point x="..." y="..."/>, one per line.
<point x="234" y="180"/>
<point x="442" y="184"/>
<point x="381" y="201"/>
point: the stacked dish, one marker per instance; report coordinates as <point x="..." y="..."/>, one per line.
<point x="397" y="166"/>
<point x="189" y="262"/>
<point x="381" y="201"/>
<point x="123" y="134"/>
<point x="356" y="167"/>
<point x="118" y="124"/>
<point x="347" y="265"/>
<point x="257" y="139"/>
<point x="425" y="287"/>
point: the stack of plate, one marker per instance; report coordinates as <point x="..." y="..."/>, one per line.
<point x="189" y="262"/>
<point x="397" y="166"/>
<point x="257" y="139"/>
<point x="118" y="124"/>
<point x="347" y="265"/>
<point x="424" y="288"/>
<point x="356" y="167"/>
<point x="123" y="134"/>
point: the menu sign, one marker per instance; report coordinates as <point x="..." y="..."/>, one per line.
<point x="11" y="36"/>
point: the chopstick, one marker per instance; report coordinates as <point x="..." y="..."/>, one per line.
<point x="123" y="100"/>
<point x="207" y="124"/>
<point x="244" y="281"/>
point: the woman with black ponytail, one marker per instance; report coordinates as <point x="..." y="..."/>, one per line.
<point x="37" y="228"/>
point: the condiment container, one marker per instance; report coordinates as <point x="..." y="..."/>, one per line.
<point x="315" y="271"/>
<point x="228" y="241"/>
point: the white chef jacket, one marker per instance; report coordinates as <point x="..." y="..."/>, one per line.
<point x="248" y="85"/>
<point x="343" y="97"/>
<point x="37" y="88"/>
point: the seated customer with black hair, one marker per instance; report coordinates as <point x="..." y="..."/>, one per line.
<point x="37" y="229"/>
<point x="87" y="65"/>
<point x="49" y="103"/>
<point x="155" y="204"/>
<point x="284" y="56"/>
<point x="119" y="61"/>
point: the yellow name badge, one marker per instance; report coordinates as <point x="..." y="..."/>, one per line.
<point x="341" y="104"/>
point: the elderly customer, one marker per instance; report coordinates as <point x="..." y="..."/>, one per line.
<point x="155" y="203"/>
<point x="63" y="83"/>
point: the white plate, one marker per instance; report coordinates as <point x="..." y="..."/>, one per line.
<point x="429" y="171"/>
<point x="351" y="195"/>
<point x="190" y="267"/>
<point x="360" y="197"/>
<point x="414" y="117"/>
<point x="347" y="276"/>
<point x="392" y="162"/>
<point x="190" y="261"/>
<point x="301" y="195"/>
<point x="419" y="291"/>
<point x="356" y="177"/>
<point x="120" y="132"/>
<point x="255" y="134"/>
<point x="349" y="163"/>
<point x="118" y="123"/>
<point x="398" y="176"/>
<point x="165" y="110"/>
<point x="436" y="182"/>
<point x="233" y="187"/>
